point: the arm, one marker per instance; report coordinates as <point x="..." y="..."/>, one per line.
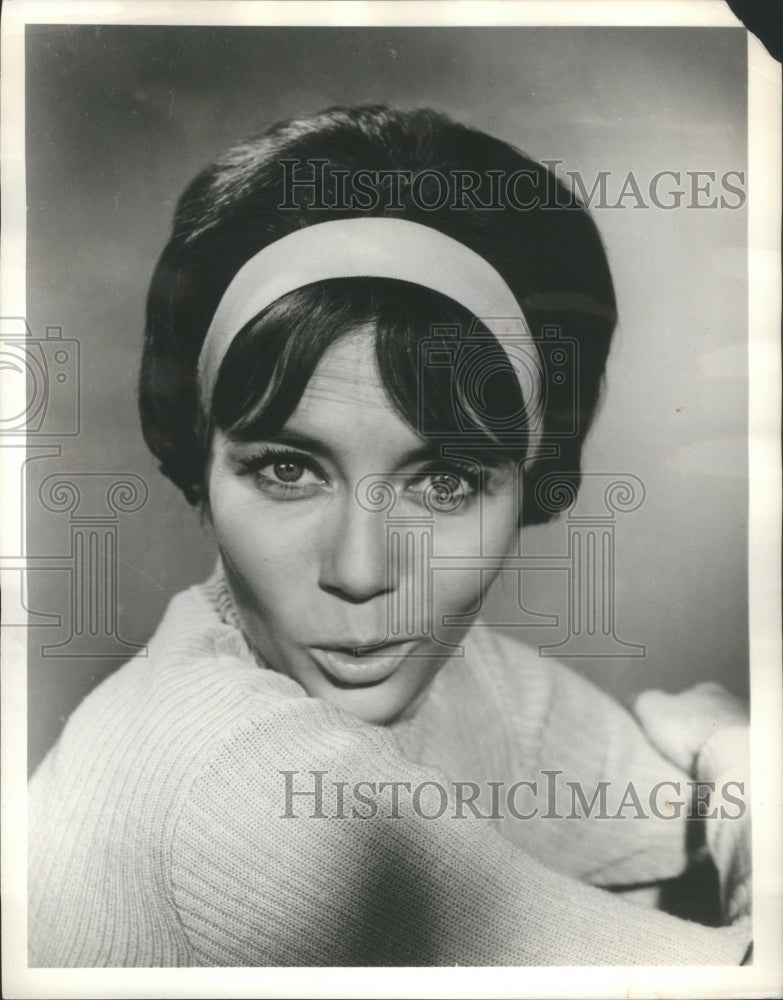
<point x="590" y="740"/>
<point x="258" y="880"/>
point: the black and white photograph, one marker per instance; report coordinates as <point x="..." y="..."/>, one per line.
<point x="391" y="500"/>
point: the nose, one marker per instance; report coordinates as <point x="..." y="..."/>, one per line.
<point x="354" y="561"/>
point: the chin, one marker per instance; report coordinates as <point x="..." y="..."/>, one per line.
<point x="378" y="704"/>
<point x="366" y="704"/>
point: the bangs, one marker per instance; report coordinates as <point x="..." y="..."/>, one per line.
<point x="444" y="373"/>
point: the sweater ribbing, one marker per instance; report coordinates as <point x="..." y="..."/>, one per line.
<point x="156" y="835"/>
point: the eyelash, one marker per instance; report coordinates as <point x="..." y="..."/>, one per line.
<point x="253" y="465"/>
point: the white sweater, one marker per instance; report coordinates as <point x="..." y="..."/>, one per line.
<point x="164" y="831"/>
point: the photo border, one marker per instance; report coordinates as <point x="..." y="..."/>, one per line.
<point x="764" y="531"/>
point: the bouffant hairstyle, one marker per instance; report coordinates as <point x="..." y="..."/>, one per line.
<point x="533" y="232"/>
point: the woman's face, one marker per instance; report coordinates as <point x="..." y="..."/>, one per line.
<point x="318" y="571"/>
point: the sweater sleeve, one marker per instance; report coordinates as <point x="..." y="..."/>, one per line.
<point x="590" y="726"/>
<point x="724" y="764"/>
<point x="593" y="745"/>
<point x="307" y="839"/>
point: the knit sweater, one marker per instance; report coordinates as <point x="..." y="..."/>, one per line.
<point x="201" y="809"/>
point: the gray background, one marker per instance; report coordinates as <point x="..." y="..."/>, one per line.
<point x="119" y="119"/>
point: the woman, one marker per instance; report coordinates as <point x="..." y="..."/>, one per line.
<point x="321" y="761"/>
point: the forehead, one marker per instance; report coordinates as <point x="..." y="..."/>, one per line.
<point x="346" y="398"/>
<point x="346" y="375"/>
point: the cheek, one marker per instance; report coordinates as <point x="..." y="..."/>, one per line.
<point x="270" y="557"/>
<point x="458" y="582"/>
<point x="489" y="528"/>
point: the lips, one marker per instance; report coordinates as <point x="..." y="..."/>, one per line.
<point x="344" y="667"/>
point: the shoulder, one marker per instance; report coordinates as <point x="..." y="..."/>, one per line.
<point x="156" y="717"/>
<point x="556" y="708"/>
<point x="539" y="693"/>
<point x="130" y="769"/>
<point x="580" y="747"/>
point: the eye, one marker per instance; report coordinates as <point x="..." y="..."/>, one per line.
<point x="444" y="491"/>
<point x="444" y="488"/>
<point x="286" y="475"/>
<point x="289" y="471"/>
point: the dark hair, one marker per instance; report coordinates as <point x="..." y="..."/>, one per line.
<point x="549" y="253"/>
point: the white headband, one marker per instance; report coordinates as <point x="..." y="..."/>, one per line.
<point x="377" y="248"/>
